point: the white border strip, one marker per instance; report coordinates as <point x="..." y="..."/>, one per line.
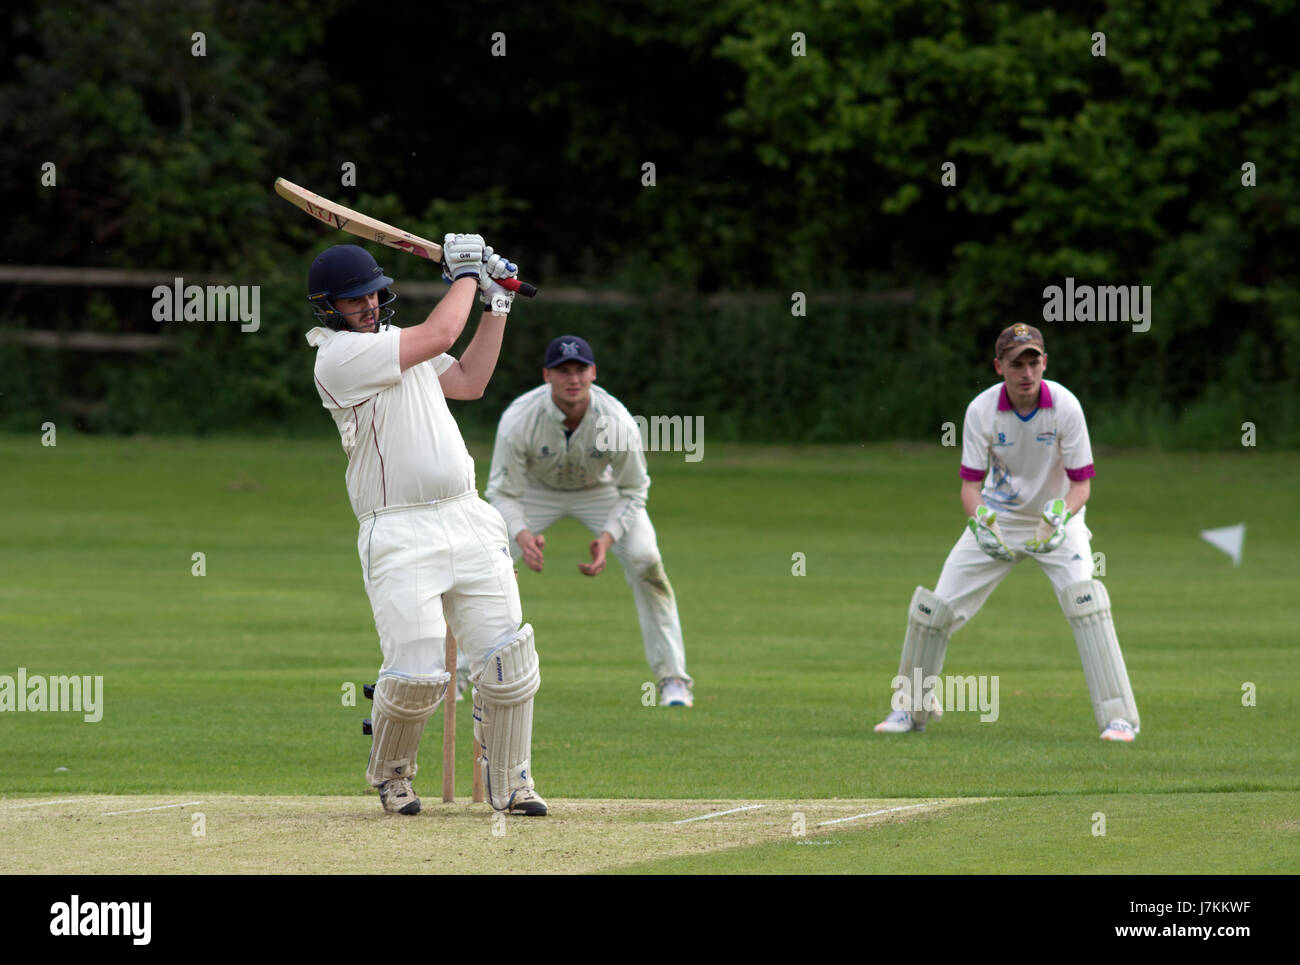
<point x="718" y="814"/>
<point x="38" y="804"/>
<point x="161" y="807"/>
<point x="872" y="814"/>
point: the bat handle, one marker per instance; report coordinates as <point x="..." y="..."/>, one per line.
<point x="517" y="286"/>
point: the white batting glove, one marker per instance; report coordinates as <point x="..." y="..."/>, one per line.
<point x="462" y="256"/>
<point x="1051" y="529"/>
<point x="984" y="524"/>
<point x="496" y="299"/>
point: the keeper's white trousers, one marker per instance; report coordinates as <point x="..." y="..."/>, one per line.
<point x="433" y="565"/>
<point x="969" y="576"/>
<point x="637" y="552"/>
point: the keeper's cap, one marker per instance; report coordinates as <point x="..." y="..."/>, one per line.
<point x="1016" y="339"/>
<point x="568" y="348"/>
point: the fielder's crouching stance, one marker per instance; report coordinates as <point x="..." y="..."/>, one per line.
<point x="1025" y="445"/>
<point x="432" y="552"/>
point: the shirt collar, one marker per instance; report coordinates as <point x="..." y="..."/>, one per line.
<point x="1044" y="397"/>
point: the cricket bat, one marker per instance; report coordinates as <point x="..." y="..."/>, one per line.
<point x="344" y="218"/>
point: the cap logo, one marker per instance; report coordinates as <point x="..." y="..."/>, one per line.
<point x="1021" y="330"/>
<point x="568" y="349"/>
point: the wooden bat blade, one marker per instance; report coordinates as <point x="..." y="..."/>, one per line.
<point x="363" y="226"/>
<point x="345" y="219"/>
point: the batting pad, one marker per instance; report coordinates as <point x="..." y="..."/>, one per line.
<point x="928" y="621"/>
<point x="1087" y="607"/>
<point x="402" y="704"/>
<point x="503" y="716"/>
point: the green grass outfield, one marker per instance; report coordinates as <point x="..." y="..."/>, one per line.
<point x="231" y="682"/>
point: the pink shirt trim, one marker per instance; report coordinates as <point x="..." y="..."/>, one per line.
<point x="975" y="475"/>
<point x="1082" y="473"/>
<point x="1044" y="398"/>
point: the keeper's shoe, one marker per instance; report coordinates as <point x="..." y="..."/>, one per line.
<point x="526" y="801"/>
<point x="898" y="722"/>
<point x="398" y="796"/>
<point x="673" y="692"/>
<point x="1119" y="730"/>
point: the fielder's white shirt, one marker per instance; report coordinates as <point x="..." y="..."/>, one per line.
<point x="1025" y="460"/>
<point x="403" y="446"/>
<point x="605" y="450"/>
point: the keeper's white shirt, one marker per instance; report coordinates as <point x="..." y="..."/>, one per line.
<point x="531" y="448"/>
<point x="403" y="445"/>
<point x="1025" y="460"/>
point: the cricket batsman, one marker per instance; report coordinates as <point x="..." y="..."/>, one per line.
<point x="1026" y="471"/>
<point x="569" y="448"/>
<point x="433" y="554"/>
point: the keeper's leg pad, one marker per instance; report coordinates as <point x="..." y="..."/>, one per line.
<point x="503" y="716"/>
<point x="1087" y="607"/>
<point x="929" y="620"/>
<point x="402" y="704"/>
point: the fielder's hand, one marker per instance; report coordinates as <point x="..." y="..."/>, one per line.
<point x="1051" y="531"/>
<point x="984" y="524"/>
<point x="496" y="299"/>
<point x="462" y="256"/>
<point x="598" y="547"/>
<point x="532" y="547"/>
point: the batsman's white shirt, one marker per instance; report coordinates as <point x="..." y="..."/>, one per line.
<point x="431" y="551"/>
<point x="605" y="450"/>
<point x="402" y="443"/>
<point x="598" y="476"/>
<point x="1025" y="461"/>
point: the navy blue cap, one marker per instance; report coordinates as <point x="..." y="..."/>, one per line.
<point x="568" y="348"/>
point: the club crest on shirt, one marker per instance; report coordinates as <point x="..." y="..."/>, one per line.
<point x="1049" y="436"/>
<point x="546" y="451"/>
<point x="1002" y="440"/>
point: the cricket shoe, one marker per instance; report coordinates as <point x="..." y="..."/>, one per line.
<point x="898" y="722"/>
<point x="526" y="801"/>
<point x="1119" y="730"/>
<point x="673" y="692"/>
<point x="462" y="686"/>
<point x="399" y="797"/>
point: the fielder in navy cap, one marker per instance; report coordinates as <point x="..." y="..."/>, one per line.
<point x="568" y="348"/>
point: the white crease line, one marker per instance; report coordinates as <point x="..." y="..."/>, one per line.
<point x="872" y="814"/>
<point x="718" y="814"/>
<point x="39" y="804"/>
<point x="161" y="807"/>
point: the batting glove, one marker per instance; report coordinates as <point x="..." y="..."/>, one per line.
<point x="984" y="524"/>
<point x="1051" y="530"/>
<point x="496" y="299"/>
<point x="462" y="256"/>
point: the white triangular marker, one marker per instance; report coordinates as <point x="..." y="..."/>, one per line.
<point x="1230" y="539"/>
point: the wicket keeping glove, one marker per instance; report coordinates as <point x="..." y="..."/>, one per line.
<point x="984" y="524"/>
<point x="1051" y="531"/>
<point x="462" y="256"/>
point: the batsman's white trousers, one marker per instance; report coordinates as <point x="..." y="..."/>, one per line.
<point x="969" y="576"/>
<point x="433" y="565"/>
<point x="637" y="552"/>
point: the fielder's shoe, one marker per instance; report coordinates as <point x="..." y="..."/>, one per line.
<point x="1119" y="730"/>
<point x="526" y="802"/>
<point x="462" y="686"/>
<point x="673" y="692"/>
<point x="399" y="797"/>
<point x="898" y="722"/>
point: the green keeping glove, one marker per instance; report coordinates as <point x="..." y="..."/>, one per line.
<point x="1051" y="531"/>
<point x="984" y="524"/>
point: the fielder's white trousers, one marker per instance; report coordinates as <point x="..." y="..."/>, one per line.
<point x="433" y="565"/>
<point x="969" y="576"/>
<point x="637" y="552"/>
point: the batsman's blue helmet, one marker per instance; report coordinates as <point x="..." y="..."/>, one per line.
<point x="346" y="271"/>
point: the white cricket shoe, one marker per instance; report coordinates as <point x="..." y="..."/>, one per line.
<point x="898" y="722"/>
<point x="673" y="692"/>
<point x="527" y="802"/>
<point x="1119" y="730"/>
<point x="399" y="797"/>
